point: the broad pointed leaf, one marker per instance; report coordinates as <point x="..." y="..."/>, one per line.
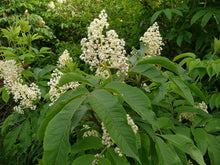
<point x="186" y="144"/>
<point x="138" y="101"/>
<point x="114" y="118"/>
<point x="56" y="141"/>
<point x="166" y="154"/>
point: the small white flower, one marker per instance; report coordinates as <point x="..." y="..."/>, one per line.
<point x="104" y="51"/>
<point x="153" y="38"/>
<point x="51" y="5"/>
<point x="132" y="124"/>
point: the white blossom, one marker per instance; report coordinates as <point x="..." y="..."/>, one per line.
<point x="153" y="39"/>
<point x="103" y="52"/>
<point x="202" y="106"/>
<point x="51" y="5"/>
<point x="63" y="59"/>
<point x="118" y="151"/>
<point x="55" y="90"/>
<point x="132" y="124"/>
<point x="106" y="139"/>
<point x="23" y="94"/>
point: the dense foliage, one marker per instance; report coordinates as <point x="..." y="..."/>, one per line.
<point x="74" y="92"/>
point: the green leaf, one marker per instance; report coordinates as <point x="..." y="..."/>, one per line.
<point x="166" y="123"/>
<point x="27" y="73"/>
<point x="155" y="16"/>
<point x="198" y="15"/>
<point x="192" y="55"/>
<point x="178" y="12"/>
<point x="87" y="143"/>
<point x="166" y="63"/>
<point x="151" y="72"/>
<point x="5" y="95"/>
<point x="84" y="160"/>
<point x="183" y="87"/>
<point x="144" y="151"/>
<point x="46" y="70"/>
<point x="56" y="141"/>
<point x="214" y="149"/>
<point x="168" y="13"/>
<point x="11" y="138"/>
<point x="103" y="161"/>
<point x="25" y="135"/>
<point x="115" y="158"/>
<point x="216" y="46"/>
<point x="201" y="138"/>
<point x="138" y="101"/>
<point x="57" y="107"/>
<point x="179" y="39"/>
<point x="186" y="144"/>
<point x="159" y="93"/>
<point x="72" y="77"/>
<point x="114" y="118"/>
<point x="213" y="126"/>
<point x="166" y="155"/>
<point x="206" y="19"/>
<point x="197" y="91"/>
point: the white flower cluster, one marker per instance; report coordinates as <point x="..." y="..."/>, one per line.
<point x="24" y="94"/>
<point x="61" y="1"/>
<point x="153" y="38"/>
<point x="106" y="139"/>
<point x="190" y="116"/>
<point x="96" y="160"/>
<point x="118" y="151"/>
<point x="103" y="52"/>
<point x="63" y="59"/>
<point x="90" y="132"/>
<point x="202" y="106"/>
<point x="56" y="91"/>
<point x="132" y="124"/>
<point x="51" y="5"/>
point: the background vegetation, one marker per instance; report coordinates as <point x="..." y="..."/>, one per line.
<point x="186" y="74"/>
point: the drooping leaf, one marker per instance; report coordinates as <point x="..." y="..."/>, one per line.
<point x="84" y="160"/>
<point x="72" y="77"/>
<point x="166" y="63"/>
<point x="87" y="143"/>
<point x="186" y="144"/>
<point x="115" y="158"/>
<point x="168" y="13"/>
<point x="11" y="138"/>
<point x="166" y="155"/>
<point x="160" y="93"/>
<point x="144" y="152"/>
<point x="213" y="126"/>
<point x="5" y="95"/>
<point x="103" y="161"/>
<point x="192" y="55"/>
<point x="114" y="118"/>
<point x="201" y="138"/>
<point x="214" y="149"/>
<point x="155" y="16"/>
<point x="25" y="135"/>
<point x="151" y="72"/>
<point x="206" y="19"/>
<point x="56" y="141"/>
<point x="197" y="91"/>
<point x="178" y="12"/>
<point x="198" y="15"/>
<point x="57" y="107"/>
<point x="183" y="87"/>
<point x="138" y="101"/>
